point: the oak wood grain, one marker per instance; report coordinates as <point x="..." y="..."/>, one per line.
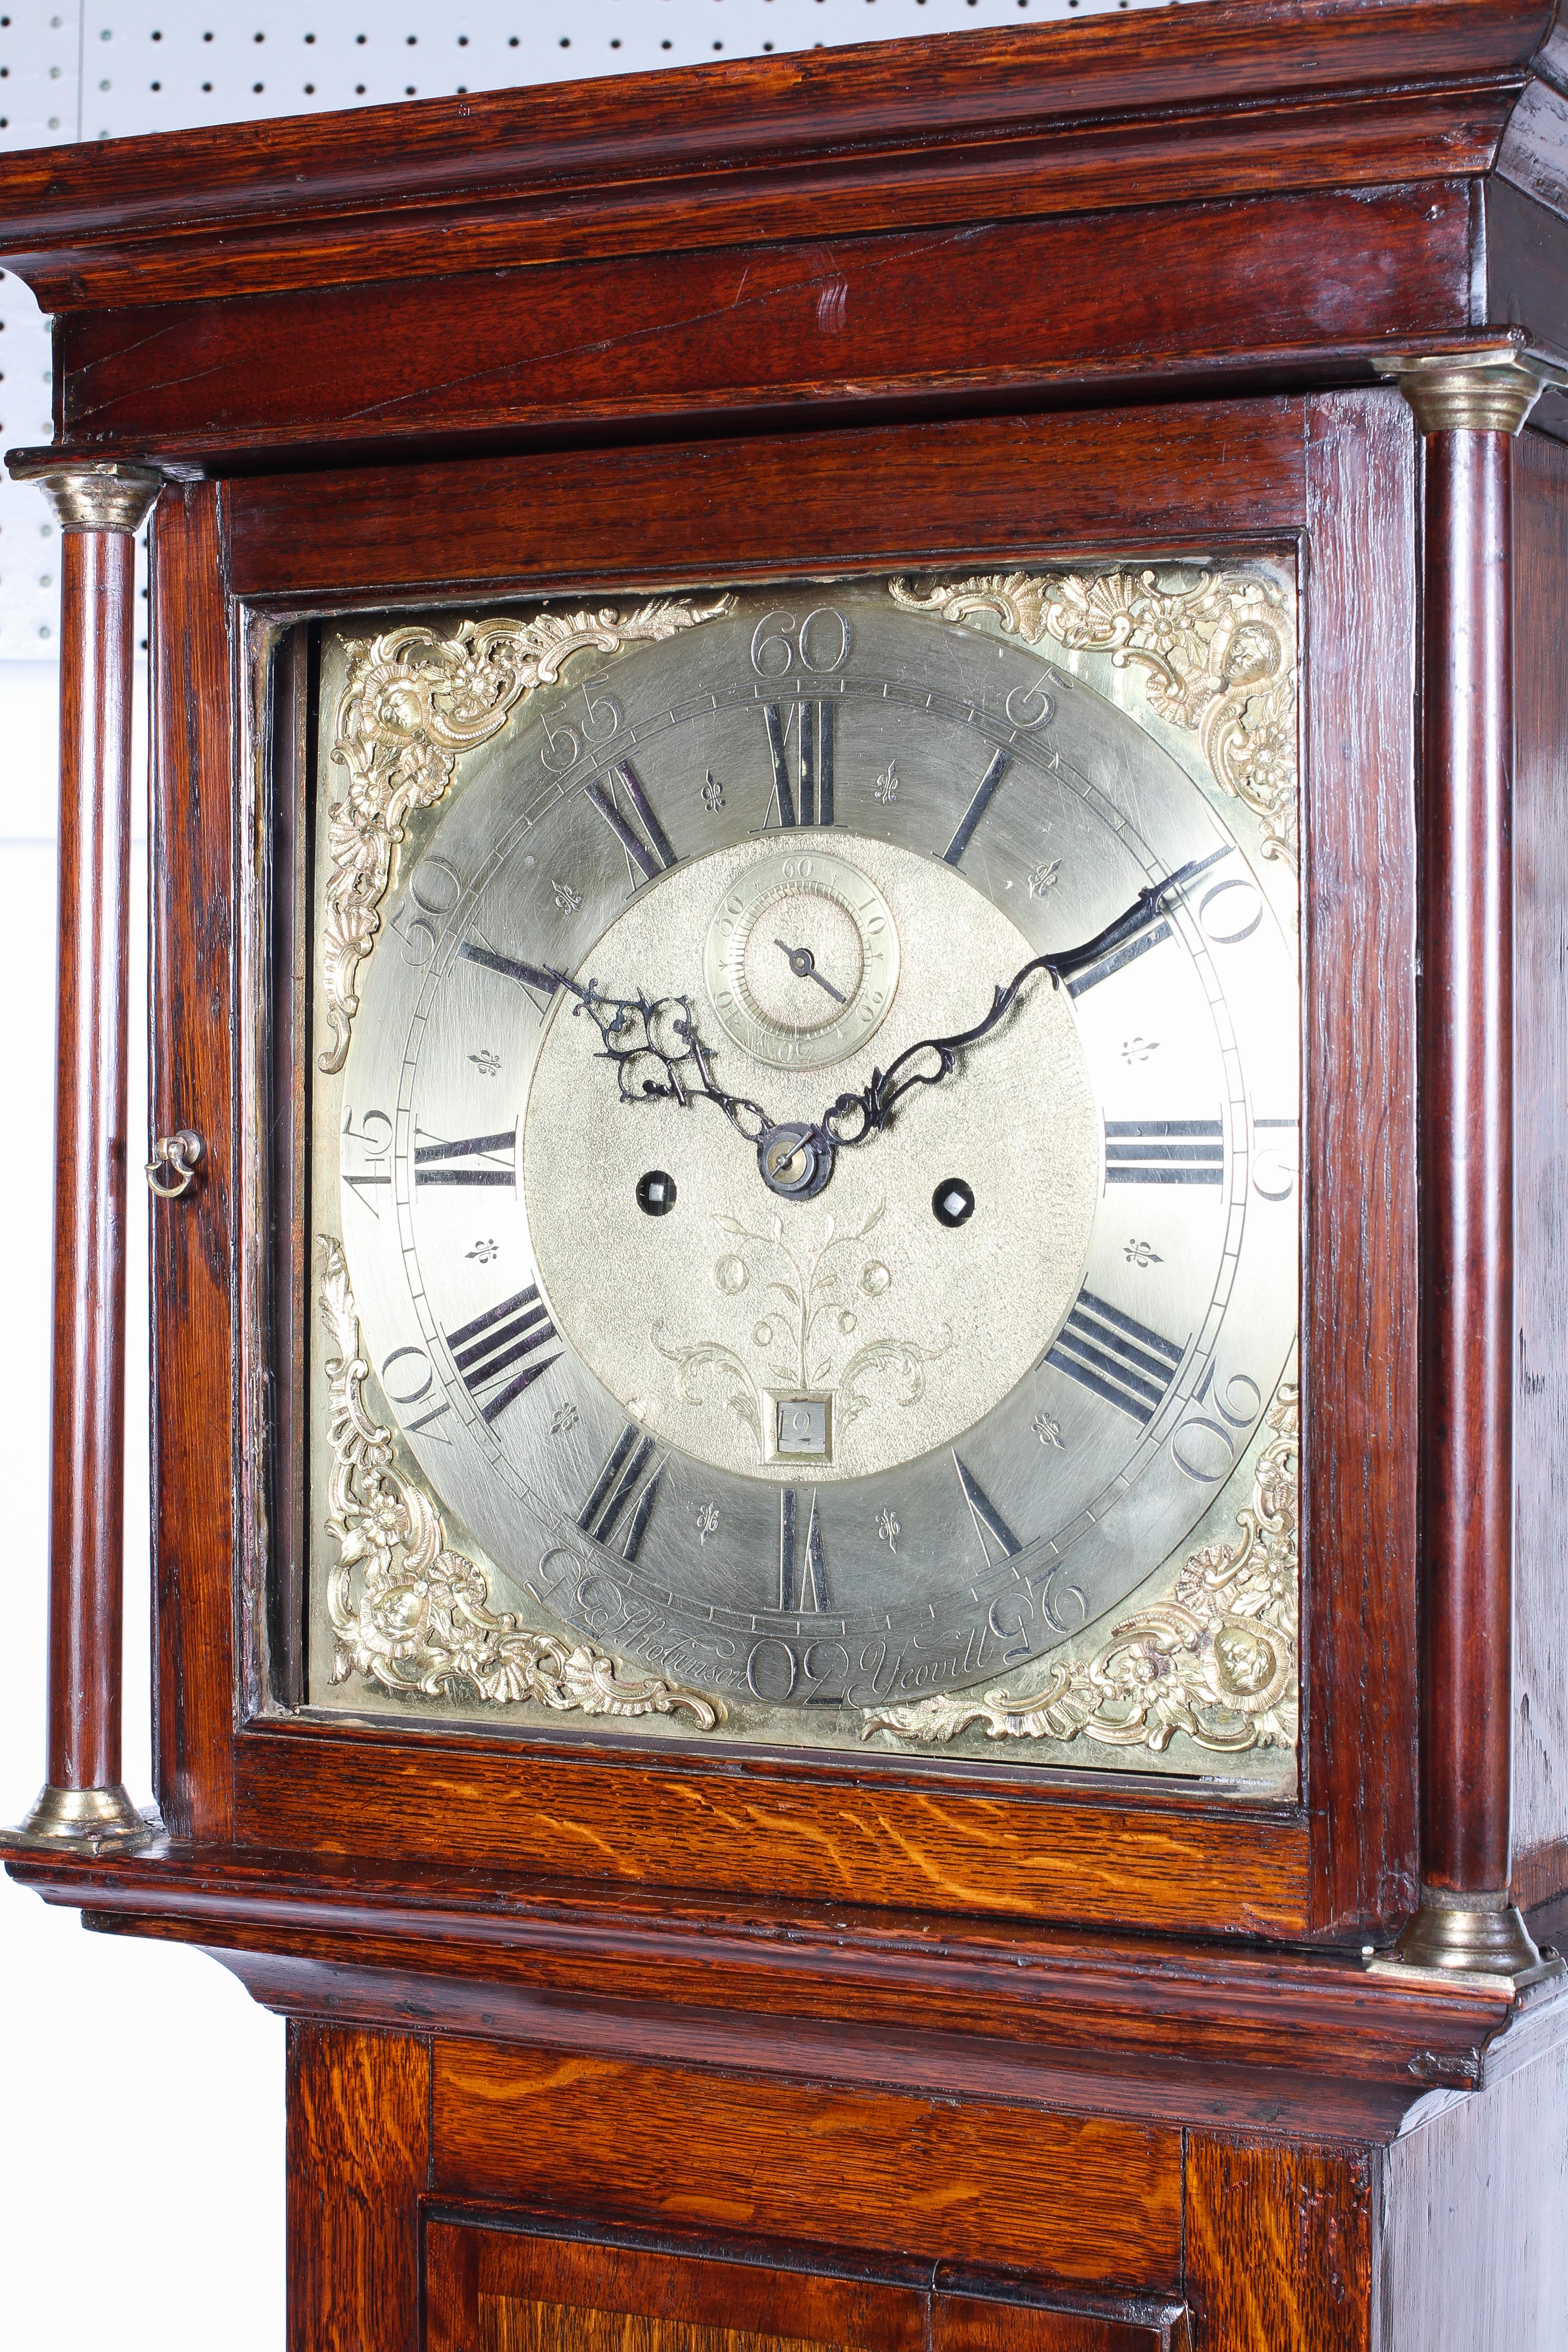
<point x="358" y="2158"/>
<point x="513" y="2291"/>
<point x="1541" y="1049"/>
<point x="1010" y="487"/>
<point x="747" y="334"/>
<point x="193" y="1260"/>
<point x="994" y="123"/>
<point x="1360" y="1318"/>
<point x="830" y="1832"/>
<point x="1279" y="2248"/>
<point x="1073" y="2197"/>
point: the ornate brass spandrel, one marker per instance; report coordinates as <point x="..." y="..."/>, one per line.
<point x="413" y="703"/>
<point x="414" y="1617"/>
<point x="1217" y="1660"/>
<point x="1215" y="653"/>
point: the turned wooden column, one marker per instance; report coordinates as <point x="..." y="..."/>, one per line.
<point x="1469" y="408"/>
<point x="98" y="508"/>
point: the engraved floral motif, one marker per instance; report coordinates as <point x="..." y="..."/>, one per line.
<point x="412" y="1616"/>
<point x="1215" y="655"/>
<point x="807" y="1315"/>
<point x="413" y="703"/>
<point x="1217" y="1660"/>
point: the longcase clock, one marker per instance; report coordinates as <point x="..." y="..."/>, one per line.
<point x="857" y="1282"/>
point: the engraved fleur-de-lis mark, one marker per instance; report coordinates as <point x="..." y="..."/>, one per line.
<point x="567" y="900"/>
<point x="487" y="1064"/>
<point x="712" y="794"/>
<point x="889" y="1531"/>
<point x="1045" y="877"/>
<point x="886" y="785"/>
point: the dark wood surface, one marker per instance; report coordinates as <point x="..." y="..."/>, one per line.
<point x="517" y="2290"/>
<point x="1093" y="2199"/>
<point x="87" y="1470"/>
<point x="500" y="1956"/>
<point x="995" y="124"/>
<point x="359" y="2152"/>
<point x="1360" y="1287"/>
<point x="747" y="336"/>
<point x="193" y="880"/>
<point x="1467" y="1151"/>
<point x="932" y="494"/>
<point x="1541" y="1097"/>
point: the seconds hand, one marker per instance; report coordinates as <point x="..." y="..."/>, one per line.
<point x="803" y="963"/>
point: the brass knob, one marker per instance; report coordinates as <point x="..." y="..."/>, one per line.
<point x="175" y="1158"/>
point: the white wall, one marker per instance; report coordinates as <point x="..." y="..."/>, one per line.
<point x="141" y="2094"/>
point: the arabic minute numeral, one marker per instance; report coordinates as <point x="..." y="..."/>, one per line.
<point x="1274" y="1164"/>
<point x="476" y="1160"/>
<point x="1029" y="707"/>
<point x="1164" y="1151"/>
<point x="1115" y="1357"/>
<point x="434" y="890"/>
<point x="498" y="1354"/>
<point x="1204" y="1447"/>
<point x="372" y="1140"/>
<point x="622" y="800"/>
<point x="407" y="1377"/>
<point x="821" y="645"/>
<point x="628" y="1478"/>
<point x="1227" y="918"/>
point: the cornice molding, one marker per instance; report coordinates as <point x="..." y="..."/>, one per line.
<point x="1221" y="102"/>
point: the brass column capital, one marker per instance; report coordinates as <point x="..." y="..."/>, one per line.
<point x="1470" y="392"/>
<point x="88" y="493"/>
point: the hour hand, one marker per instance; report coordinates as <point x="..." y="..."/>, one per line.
<point x="803" y="963"/>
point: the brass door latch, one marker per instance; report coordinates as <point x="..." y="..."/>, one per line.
<point x="171" y="1170"/>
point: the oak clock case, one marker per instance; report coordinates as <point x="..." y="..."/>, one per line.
<point x="804" y="1110"/>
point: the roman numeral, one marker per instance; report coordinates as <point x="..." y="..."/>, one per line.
<point x="534" y="983"/>
<point x="984" y="793"/>
<point x="455" y="1163"/>
<point x="1117" y="1358"/>
<point x="1164" y="1151"/>
<point x="497" y="1354"/>
<point x="636" y="828"/>
<point x="802" y="1573"/>
<point x="1119" y="959"/>
<point x="617" y="1485"/>
<point x="814" y="721"/>
<point x="990" y="1527"/>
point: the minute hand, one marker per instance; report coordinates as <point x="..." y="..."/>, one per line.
<point x="855" y="1118"/>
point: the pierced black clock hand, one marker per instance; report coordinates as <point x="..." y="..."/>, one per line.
<point x="852" y="1119"/>
<point x="659" y="1057"/>
<point x="803" y="963"/>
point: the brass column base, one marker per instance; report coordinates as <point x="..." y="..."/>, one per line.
<point x="1465" y="1937"/>
<point x="84" y="1821"/>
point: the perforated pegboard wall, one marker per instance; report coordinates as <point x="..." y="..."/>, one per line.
<point x="89" y="70"/>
